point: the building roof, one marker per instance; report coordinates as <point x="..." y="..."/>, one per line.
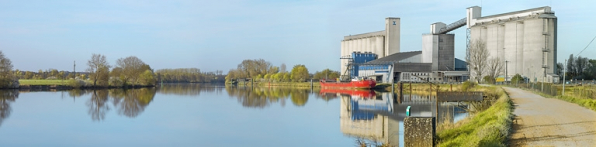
<point x="546" y="9"/>
<point x="364" y="35"/>
<point x="461" y="65"/>
<point x="412" y="67"/>
<point x="393" y="58"/>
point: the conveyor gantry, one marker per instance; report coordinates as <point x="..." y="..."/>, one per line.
<point x="452" y="26"/>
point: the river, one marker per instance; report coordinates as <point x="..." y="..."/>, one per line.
<point x="210" y="115"/>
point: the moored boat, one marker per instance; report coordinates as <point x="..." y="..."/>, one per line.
<point x="358" y="83"/>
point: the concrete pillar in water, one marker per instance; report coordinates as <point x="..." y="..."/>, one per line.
<point x="419" y="131"/>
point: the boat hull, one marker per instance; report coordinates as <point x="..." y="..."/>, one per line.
<point x="364" y="84"/>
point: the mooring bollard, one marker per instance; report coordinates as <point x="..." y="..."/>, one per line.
<point x="408" y="111"/>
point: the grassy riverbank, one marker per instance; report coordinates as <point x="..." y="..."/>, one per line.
<point x="287" y="84"/>
<point x="68" y="84"/>
<point x="487" y="128"/>
<point x="43" y="82"/>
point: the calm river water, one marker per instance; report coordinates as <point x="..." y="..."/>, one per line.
<point x="209" y="115"/>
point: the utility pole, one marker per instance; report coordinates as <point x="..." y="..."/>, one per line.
<point x="564" y="71"/>
<point x="74" y="69"/>
<point x="542" y="83"/>
<point x="506" y="71"/>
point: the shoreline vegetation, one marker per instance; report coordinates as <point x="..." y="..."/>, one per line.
<point x="489" y="127"/>
<point x="128" y="72"/>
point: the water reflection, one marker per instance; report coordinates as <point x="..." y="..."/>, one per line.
<point x="261" y="97"/>
<point x="189" y="89"/>
<point x="98" y="105"/>
<point x="6" y="97"/>
<point x="128" y="102"/>
<point x="131" y="103"/>
<point x="76" y="93"/>
<point x="378" y="116"/>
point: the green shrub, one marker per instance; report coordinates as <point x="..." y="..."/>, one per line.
<point x="75" y="83"/>
<point x="467" y="85"/>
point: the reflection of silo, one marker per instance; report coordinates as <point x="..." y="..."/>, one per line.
<point x="361" y="126"/>
<point x="359" y="119"/>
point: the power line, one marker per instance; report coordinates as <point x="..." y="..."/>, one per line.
<point x="587" y="46"/>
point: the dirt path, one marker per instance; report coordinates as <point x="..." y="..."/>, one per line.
<point x="543" y="121"/>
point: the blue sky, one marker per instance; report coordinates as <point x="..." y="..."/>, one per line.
<point x="217" y="35"/>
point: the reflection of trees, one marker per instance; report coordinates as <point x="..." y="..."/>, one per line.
<point x="76" y="93"/>
<point x="299" y="97"/>
<point x="263" y="97"/>
<point x="98" y="104"/>
<point x="132" y="102"/>
<point x="6" y="97"/>
<point x="186" y="89"/>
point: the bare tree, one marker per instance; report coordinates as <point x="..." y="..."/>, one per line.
<point x="98" y="65"/>
<point x="495" y="67"/>
<point x="282" y="68"/>
<point x="477" y="59"/>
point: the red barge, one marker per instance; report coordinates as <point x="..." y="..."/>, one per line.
<point x="354" y="84"/>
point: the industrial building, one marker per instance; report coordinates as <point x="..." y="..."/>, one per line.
<point x="524" y="40"/>
<point x="382" y="43"/>
<point x="409" y="67"/>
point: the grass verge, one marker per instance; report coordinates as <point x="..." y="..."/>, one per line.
<point x="487" y="128"/>
<point x="286" y="84"/>
<point x="43" y="82"/>
<point x="587" y="103"/>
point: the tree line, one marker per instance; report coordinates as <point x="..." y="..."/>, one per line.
<point x="261" y="70"/>
<point x="578" y="68"/>
<point x="50" y="74"/>
<point x="188" y="75"/>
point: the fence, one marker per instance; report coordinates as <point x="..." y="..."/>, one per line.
<point x="579" y="91"/>
<point x="588" y="92"/>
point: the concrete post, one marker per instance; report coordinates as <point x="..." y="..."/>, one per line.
<point x="401" y="91"/>
<point x="564" y="71"/>
<point x="392" y="87"/>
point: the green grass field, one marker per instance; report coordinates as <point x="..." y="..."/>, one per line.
<point x="43" y="82"/>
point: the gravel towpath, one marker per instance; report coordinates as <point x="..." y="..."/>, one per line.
<point x="543" y="121"/>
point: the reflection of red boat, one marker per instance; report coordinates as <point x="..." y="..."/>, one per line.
<point x="351" y="92"/>
<point x="354" y="84"/>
